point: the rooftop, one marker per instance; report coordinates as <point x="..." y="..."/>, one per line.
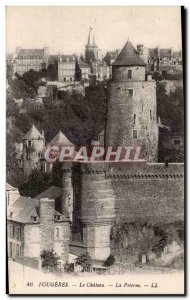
<point x="32" y="53"/>
<point x="33" y="134"/>
<point x="52" y="192"/>
<point x="128" y="57"/>
<point x="10" y="187"/>
<point x="60" y="139"/>
<point x="25" y="207"/>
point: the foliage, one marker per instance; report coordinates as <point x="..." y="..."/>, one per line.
<point x="170" y="108"/>
<point x="69" y="268"/>
<point x="109" y="261"/>
<point x="36" y="183"/>
<point x="83" y="260"/>
<point x="49" y="259"/>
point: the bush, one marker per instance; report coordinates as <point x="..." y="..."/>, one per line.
<point x="49" y="260"/>
<point x="109" y="261"/>
<point x="83" y="260"/>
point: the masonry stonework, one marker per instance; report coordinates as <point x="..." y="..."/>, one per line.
<point x="47" y="208"/>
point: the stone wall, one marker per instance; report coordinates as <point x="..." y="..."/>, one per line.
<point x="134" y="190"/>
<point x="47" y="210"/>
<point x="125" y="192"/>
<point x="121" y="73"/>
<point x="126" y="113"/>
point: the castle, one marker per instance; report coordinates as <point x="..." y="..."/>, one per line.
<point x="105" y="192"/>
<point x="97" y="195"/>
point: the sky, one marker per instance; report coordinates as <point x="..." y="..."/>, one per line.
<point x="65" y="29"/>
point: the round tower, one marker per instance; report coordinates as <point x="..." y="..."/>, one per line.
<point x="67" y="190"/>
<point x="97" y="209"/>
<point x="33" y="145"/>
<point x="131" y="112"/>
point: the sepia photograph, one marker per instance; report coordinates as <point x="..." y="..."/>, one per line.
<point x="95" y="150"/>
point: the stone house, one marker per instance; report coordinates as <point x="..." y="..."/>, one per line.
<point x="33" y="225"/>
<point x="30" y="59"/>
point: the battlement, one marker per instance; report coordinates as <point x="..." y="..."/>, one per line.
<point x="127" y="169"/>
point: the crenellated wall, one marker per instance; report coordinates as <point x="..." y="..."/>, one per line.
<point x="125" y="192"/>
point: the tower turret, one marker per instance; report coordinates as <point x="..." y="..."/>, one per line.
<point x="131" y="112"/>
<point x="33" y="145"/>
<point x="92" y="52"/>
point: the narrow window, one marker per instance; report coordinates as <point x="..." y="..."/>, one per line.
<point x="17" y="250"/>
<point x="130" y="92"/>
<point x="134" y="118"/>
<point x="129" y="73"/>
<point x="150" y="114"/>
<point x="135" y="134"/>
<point x="57" y="233"/>
<point x="29" y="143"/>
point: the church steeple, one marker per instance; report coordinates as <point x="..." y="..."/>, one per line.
<point x="91" y="40"/>
<point x="92" y="52"/>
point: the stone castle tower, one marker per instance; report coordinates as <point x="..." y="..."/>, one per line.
<point x="132" y="108"/>
<point x="33" y="145"/>
<point x="92" y="52"/>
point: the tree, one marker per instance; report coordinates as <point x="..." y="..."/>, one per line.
<point x="49" y="260"/>
<point x="36" y="183"/>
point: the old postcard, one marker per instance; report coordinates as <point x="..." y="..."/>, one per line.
<point x="95" y="150"/>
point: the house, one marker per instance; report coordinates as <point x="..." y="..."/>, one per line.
<point x="84" y="69"/>
<point x="101" y="70"/>
<point x="66" y="68"/>
<point x="30" y="59"/>
<point x="111" y="56"/>
<point x="33" y="225"/>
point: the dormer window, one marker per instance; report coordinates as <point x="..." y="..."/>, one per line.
<point x="29" y="143"/>
<point x="58" y="218"/>
<point x="11" y="215"/>
<point x="34" y="219"/>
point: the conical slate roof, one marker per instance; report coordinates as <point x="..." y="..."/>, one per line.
<point x="129" y="57"/>
<point x="33" y="134"/>
<point x="60" y="139"/>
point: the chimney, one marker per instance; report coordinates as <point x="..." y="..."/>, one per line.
<point x="140" y="49"/>
<point x="47" y="211"/>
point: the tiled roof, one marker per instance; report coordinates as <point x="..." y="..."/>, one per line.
<point x="25" y="207"/>
<point x="60" y="139"/>
<point x="128" y="57"/>
<point x="33" y="134"/>
<point x="68" y="58"/>
<point x="100" y="63"/>
<point x="31" y="53"/>
<point x="22" y="209"/>
<point x="10" y="187"/>
<point x="165" y="52"/>
<point x="82" y="64"/>
<point x="113" y="54"/>
<point x="52" y="193"/>
<point x="52" y="59"/>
